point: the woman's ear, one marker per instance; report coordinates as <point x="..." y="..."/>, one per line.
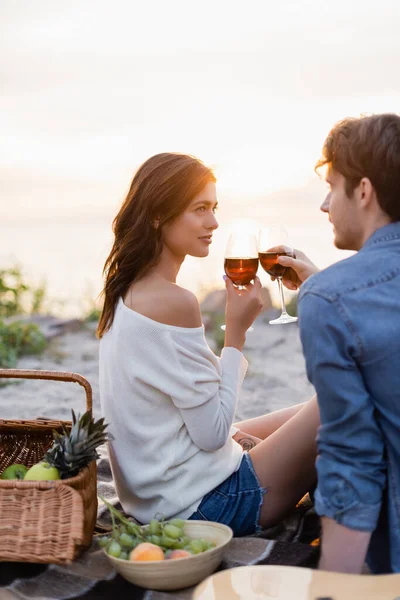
<point x="155" y="223"/>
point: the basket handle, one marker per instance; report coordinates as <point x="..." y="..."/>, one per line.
<point x="52" y="375"/>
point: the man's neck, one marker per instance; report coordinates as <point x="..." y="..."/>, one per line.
<point x="372" y="226"/>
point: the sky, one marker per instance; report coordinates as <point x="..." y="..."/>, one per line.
<point x="90" y="89"/>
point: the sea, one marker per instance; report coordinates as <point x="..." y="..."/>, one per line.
<point x="67" y="253"/>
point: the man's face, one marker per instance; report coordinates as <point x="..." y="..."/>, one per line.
<point x="343" y="213"/>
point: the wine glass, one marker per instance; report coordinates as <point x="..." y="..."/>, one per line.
<point x="241" y="260"/>
<point x="269" y="239"/>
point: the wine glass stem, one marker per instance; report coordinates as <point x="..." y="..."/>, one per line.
<point x="280" y="285"/>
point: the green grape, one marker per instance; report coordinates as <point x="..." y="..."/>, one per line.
<point x="124" y="555"/>
<point x="204" y="544"/>
<point x="136" y="542"/>
<point x="132" y="529"/>
<point x="180" y="523"/>
<point x="103" y="541"/>
<point x="122" y="529"/>
<point x="114" y="549"/>
<point x="126" y="540"/>
<point x="185" y="540"/>
<point x="172" y="531"/>
<point x="196" y="546"/>
<point x="155" y="539"/>
<point x="207" y="545"/>
<point x="115" y="535"/>
<point x="166" y="541"/>
<point x="154" y="527"/>
<point x="178" y="544"/>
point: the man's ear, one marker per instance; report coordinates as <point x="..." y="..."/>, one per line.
<point x="366" y="192"/>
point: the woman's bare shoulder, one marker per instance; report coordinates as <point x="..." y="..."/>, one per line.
<point x="166" y="303"/>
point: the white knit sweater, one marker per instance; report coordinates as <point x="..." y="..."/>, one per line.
<point x="170" y="404"/>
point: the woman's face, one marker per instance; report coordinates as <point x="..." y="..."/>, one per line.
<point x="191" y="232"/>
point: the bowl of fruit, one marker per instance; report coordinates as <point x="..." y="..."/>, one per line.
<point x="165" y="555"/>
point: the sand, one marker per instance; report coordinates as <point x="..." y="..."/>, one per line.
<point x="276" y="376"/>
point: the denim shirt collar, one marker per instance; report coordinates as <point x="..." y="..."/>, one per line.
<point x="384" y="234"/>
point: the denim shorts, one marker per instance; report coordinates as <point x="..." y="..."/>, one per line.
<point x="235" y="502"/>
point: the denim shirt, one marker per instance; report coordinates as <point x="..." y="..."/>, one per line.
<point x="349" y="317"/>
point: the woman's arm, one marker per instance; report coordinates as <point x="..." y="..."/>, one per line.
<point x="206" y="391"/>
<point x="203" y="388"/>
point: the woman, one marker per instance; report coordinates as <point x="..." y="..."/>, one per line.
<point x="169" y="400"/>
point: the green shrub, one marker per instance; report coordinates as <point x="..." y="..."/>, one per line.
<point x="17" y="339"/>
<point x="291" y="305"/>
<point x="215" y="320"/>
<point x="218" y="333"/>
<point x="92" y="306"/>
<point x="16" y="296"/>
<point x="93" y="315"/>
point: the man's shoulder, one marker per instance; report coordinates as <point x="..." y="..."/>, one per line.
<point x="355" y="276"/>
<point x="335" y="280"/>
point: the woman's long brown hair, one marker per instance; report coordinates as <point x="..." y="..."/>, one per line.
<point x="161" y="190"/>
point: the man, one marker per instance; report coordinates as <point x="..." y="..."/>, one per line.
<point x="349" y="316"/>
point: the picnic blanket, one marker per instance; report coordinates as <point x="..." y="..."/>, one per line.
<point x="292" y="542"/>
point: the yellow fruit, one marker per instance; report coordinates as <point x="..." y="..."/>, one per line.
<point x="42" y="472"/>
<point x="147" y="551"/>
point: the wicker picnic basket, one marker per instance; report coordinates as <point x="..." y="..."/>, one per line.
<point x="43" y="521"/>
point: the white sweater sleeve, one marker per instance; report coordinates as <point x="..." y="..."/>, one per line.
<point x="205" y="389"/>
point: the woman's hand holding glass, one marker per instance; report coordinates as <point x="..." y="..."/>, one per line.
<point x="241" y="261"/>
<point x="241" y="258"/>
<point x="242" y="307"/>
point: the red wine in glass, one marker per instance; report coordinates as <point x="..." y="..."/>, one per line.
<point x="269" y="252"/>
<point x="241" y="271"/>
<point x="269" y="262"/>
<point x="241" y="259"/>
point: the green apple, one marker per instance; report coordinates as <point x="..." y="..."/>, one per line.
<point x="16" y="471"/>
<point x="42" y="471"/>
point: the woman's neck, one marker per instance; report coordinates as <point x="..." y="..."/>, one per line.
<point x="168" y="266"/>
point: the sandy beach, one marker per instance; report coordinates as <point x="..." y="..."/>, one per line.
<point x="276" y="375"/>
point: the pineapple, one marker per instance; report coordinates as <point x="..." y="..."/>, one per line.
<point x="71" y="451"/>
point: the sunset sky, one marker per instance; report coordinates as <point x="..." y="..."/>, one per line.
<point x="90" y="89"/>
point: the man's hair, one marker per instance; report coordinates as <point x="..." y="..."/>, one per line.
<point x="367" y="147"/>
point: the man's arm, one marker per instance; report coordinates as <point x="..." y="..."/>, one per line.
<point x="343" y="549"/>
<point x="350" y="463"/>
